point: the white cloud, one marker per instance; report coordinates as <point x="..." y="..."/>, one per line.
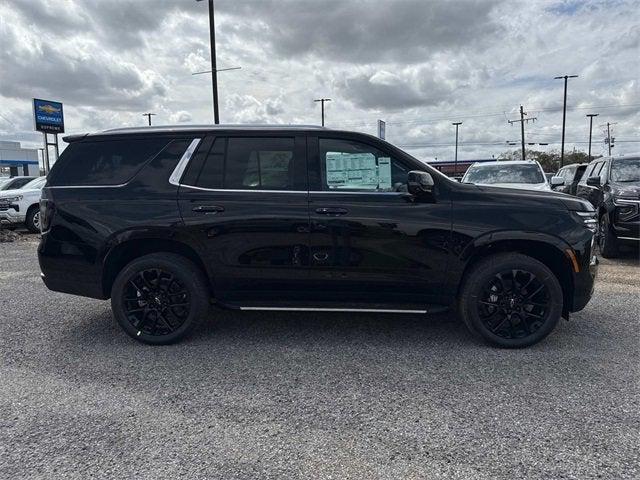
<point x="417" y="64"/>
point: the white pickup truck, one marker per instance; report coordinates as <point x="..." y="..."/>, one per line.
<point x="22" y="205"/>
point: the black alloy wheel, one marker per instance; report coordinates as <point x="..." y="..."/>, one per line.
<point x="156" y="302"/>
<point x="511" y="300"/>
<point x="513" y="304"/>
<point x="160" y="298"/>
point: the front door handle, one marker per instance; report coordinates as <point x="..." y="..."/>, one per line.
<point x="209" y="209"/>
<point x="332" y="211"/>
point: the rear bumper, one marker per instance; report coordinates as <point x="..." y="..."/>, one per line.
<point x="70" y="268"/>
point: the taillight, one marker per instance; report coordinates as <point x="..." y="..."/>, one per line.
<point x="46" y="214"/>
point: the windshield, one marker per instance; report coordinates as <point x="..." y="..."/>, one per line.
<point x="625" y="170"/>
<point x="35" y="184"/>
<point x="490" y="174"/>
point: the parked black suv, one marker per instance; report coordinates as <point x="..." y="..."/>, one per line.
<point x="612" y="185"/>
<point x="165" y="221"/>
<point x="571" y="174"/>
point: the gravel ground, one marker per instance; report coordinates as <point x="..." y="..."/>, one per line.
<point x="300" y="395"/>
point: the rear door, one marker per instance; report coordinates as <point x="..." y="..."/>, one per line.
<point x="243" y="199"/>
<point x="371" y="243"/>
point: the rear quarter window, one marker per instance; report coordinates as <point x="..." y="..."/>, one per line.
<point x="107" y="162"/>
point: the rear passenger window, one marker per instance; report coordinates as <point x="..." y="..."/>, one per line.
<point x="242" y="163"/>
<point x="110" y="162"/>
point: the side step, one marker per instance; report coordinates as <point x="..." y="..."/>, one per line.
<point x="336" y="307"/>
<point x="325" y="309"/>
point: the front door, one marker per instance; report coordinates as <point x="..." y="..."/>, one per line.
<point x="244" y="200"/>
<point x="372" y="242"/>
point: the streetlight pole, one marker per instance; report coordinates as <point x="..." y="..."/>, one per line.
<point x="214" y="71"/>
<point x="564" y="113"/>
<point x="591" y="115"/>
<point x="148" y="115"/>
<point x="322" y="100"/>
<point x="455" y="161"/>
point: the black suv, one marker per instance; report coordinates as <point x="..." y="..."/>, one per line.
<point x="612" y="185"/>
<point x="571" y="174"/>
<point x="167" y="221"/>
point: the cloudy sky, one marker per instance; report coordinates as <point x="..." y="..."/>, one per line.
<point x="417" y="64"/>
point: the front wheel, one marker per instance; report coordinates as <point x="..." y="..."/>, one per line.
<point x="607" y="240"/>
<point x="32" y="221"/>
<point x="160" y="298"/>
<point x="511" y="300"/>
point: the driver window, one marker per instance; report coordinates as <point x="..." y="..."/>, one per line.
<point x="353" y="166"/>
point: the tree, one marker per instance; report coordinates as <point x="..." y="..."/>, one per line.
<point x="550" y="161"/>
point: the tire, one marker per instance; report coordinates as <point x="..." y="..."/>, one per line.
<point x="607" y="241"/>
<point x="32" y="220"/>
<point x="160" y="298"/>
<point x="508" y="313"/>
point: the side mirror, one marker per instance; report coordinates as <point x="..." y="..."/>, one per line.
<point x="593" y="181"/>
<point x="419" y="182"/>
<point x="557" y="181"/>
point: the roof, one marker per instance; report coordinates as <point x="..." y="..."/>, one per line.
<point x="511" y="162"/>
<point x="195" y="128"/>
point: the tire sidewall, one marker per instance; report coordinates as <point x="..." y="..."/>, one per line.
<point x="191" y="280"/>
<point x="29" y="221"/>
<point x="543" y="274"/>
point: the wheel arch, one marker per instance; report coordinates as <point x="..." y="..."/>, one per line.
<point x="550" y="251"/>
<point x="124" y="252"/>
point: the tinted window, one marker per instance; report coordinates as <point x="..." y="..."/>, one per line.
<point x="36" y="184"/>
<point x="588" y="172"/>
<point x="104" y="162"/>
<point x="349" y="165"/>
<point x="20" y="182"/>
<point x="508" y="173"/>
<point x="625" y="170"/>
<point x="580" y="172"/>
<point x="249" y="163"/>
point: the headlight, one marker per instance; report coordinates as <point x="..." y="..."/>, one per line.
<point x="626" y="209"/>
<point x="589" y="219"/>
<point x="17" y="198"/>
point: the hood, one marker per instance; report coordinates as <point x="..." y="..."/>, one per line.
<point x="20" y="191"/>
<point x="629" y="190"/>
<point x="538" y="198"/>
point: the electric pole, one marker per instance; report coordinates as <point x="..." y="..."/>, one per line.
<point x="214" y="71"/>
<point x="522" y="122"/>
<point x="564" y="113"/>
<point x="591" y="115"/>
<point x="148" y="115"/>
<point x="455" y="161"/>
<point x="322" y="100"/>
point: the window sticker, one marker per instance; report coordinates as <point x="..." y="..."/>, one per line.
<point x="358" y="171"/>
<point x="384" y="173"/>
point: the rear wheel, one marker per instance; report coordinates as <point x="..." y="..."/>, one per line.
<point x="511" y="300"/>
<point x="607" y="240"/>
<point x="160" y="298"/>
<point x="32" y="220"/>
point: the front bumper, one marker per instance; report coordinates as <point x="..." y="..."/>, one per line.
<point x="10" y="214"/>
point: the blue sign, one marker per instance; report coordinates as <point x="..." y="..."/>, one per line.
<point x="48" y="116"/>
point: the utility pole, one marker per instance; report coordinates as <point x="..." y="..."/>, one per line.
<point x="148" y="115"/>
<point x="591" y="115"/>
<point x="455" y="161"/>
<point x="522" y="122"/>
<point x="214" y="71"/>
<point x="564" y="113"/>
<point x="322" y="100"/>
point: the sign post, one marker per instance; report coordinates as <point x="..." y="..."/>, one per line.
<point x="382" y="129"/>
<point x="48" y="118"/>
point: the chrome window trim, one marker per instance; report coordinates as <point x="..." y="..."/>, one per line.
<point x="176" y="175"/>
<point x="238" y="190"/>
<point x="88" y="186"/>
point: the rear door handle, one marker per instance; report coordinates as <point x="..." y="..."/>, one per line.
<point x="208" y="209"/>
<point x="332" y="211"/>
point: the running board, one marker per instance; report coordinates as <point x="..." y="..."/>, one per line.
<point x="323" y="309"/>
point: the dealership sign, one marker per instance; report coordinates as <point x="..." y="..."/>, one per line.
<point x="48" y="116"/>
